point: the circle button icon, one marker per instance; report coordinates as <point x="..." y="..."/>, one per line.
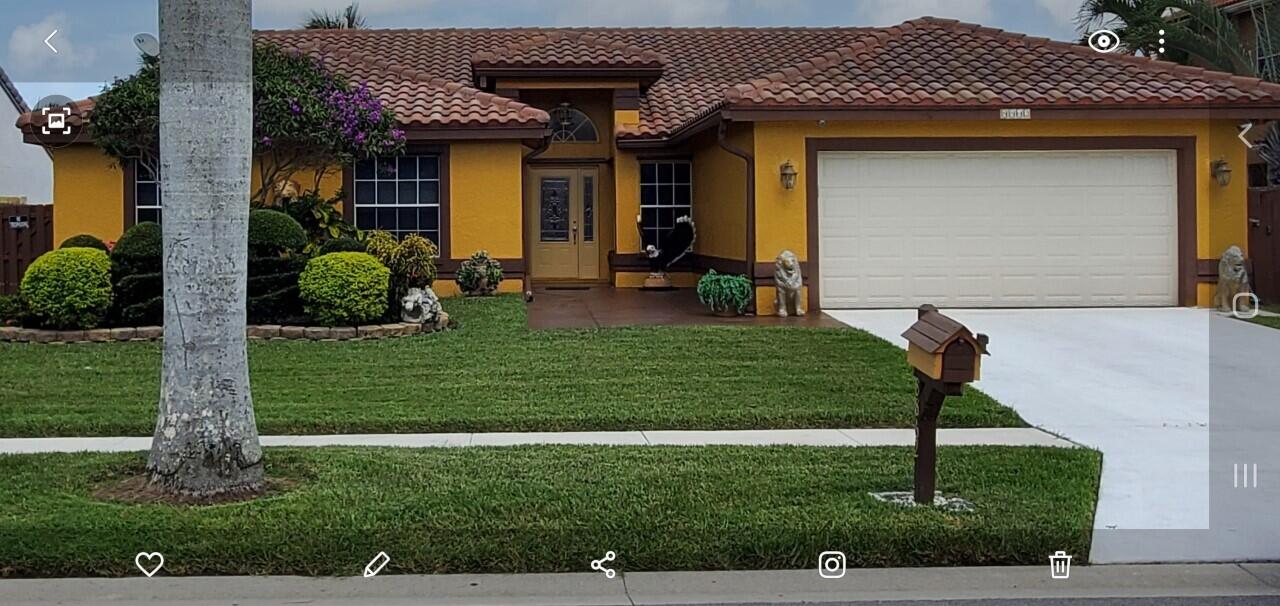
<point x="1104" y="41"/>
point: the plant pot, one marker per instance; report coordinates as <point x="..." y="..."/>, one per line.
<point x="728" y="312"/>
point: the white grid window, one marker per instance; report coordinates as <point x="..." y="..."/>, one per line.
<point x="400" y="195"/>
<point x="146" y="194"/>
<point x="666" y="194"/>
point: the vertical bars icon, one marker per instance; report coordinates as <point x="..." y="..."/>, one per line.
<point x="1241" y="475"/>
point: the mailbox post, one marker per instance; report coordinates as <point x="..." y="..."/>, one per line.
<point x="945" y="356"/>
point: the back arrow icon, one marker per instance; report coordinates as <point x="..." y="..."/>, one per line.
<point x="48" y="44"/>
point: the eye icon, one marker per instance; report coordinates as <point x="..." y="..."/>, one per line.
<point x="1104" y="41"/>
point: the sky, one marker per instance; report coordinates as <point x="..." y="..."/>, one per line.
<point x="95" y="37"/>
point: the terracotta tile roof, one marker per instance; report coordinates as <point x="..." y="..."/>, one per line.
<point x="943" y="63"/>
<point x="573" y="49"/>
<point x="418" y="97"/>
<point x="427" y="76"/>
<point x="80" y="110"/>
<point x="700" y="63"/>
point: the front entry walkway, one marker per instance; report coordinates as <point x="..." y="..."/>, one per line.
<point x="1177" y="400"/>
<point x="1003" y="436"/>
<point x="604" y="306"/>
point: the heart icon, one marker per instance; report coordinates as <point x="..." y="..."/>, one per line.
<point x="155" y="557"/>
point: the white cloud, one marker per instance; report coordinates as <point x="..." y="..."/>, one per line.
<point x="1063" y="11"/>
<point x="29" y="54"/>
<point x="643" y="12"/>
<point x="892" y="12"/>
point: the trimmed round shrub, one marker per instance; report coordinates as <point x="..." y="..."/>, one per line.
<point x="340" y="245"/>
<point x="139" y="250"/>
<point x="344" y="288"/>
<point x="272" y="233"/>
<point x="84" y="241"/>
<point x="68" y="288"/>
<point x="480" y="275"/>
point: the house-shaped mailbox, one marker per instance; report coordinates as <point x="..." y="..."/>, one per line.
<point x="943" y="349"/>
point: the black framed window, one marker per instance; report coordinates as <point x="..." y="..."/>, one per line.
<point x="666" y="194"/>
<point x="146" y="193"/>
<point x="399" y="194"/>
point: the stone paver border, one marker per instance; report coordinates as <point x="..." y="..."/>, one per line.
<point x="256" y="332"/>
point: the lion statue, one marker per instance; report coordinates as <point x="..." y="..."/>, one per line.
<point x="787" y="279"/>
<point x="422" y="306"/>
<point x="1233" y="279"/>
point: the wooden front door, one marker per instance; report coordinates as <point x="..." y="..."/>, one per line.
<point x="562" y="223"/>
<point x="1264" y="243"/>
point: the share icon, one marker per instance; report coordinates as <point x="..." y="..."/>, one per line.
<point x="609" y="556"/>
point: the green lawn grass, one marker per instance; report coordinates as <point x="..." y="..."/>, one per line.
<point x="1270" y="321"/>
<point x="549" y="508"/>
<point x="494" y="374"/>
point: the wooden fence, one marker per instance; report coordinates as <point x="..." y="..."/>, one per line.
<point x="26" y="232"/>
<point x="1264" y="242"/>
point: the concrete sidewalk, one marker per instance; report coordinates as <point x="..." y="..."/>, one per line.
<point x="1018" y="436"/>
<point x="654" y="588"/>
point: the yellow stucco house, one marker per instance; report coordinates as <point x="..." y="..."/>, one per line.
<point x="932" y="161"/>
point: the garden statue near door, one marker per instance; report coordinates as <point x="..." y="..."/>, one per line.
<point x="787" y="280"/>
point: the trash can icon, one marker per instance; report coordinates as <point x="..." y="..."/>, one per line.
<point x="1060" y="565"/>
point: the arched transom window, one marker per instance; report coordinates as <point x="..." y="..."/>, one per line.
<point x="569" y="125"/>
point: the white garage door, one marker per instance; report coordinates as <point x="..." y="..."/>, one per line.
<point x="997" y="229"/>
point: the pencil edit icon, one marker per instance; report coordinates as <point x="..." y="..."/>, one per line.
<point x="376" y="564"/>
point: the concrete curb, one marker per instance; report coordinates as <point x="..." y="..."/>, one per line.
<point x="1014" y="436"/>
<point x="661" y="588"/>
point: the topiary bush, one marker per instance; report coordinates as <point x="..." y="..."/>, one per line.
<point x="273" y="233"/>
<point x="139" y="251"/>
<point x="340" y="245"/>
<point x="344" y="288"/>
<point x="84" y="241"/>
<point x="724" y="293"/>
<point x="68" y="288"/>
<point x="480" y="275"/>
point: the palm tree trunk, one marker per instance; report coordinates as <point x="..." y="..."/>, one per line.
<point x="206" y="438"/>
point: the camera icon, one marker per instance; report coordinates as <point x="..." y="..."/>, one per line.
<point x="831" y="564"/>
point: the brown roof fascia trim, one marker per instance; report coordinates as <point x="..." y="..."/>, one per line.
<point x="791" y="113"/>
<point x="1185" y="147"/>
<point x="417" y="134"/>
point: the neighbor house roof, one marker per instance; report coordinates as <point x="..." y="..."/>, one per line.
<point x="432" y="78"/>
<point x="11" y="91"/>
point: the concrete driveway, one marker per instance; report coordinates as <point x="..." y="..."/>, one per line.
<point x="1176" y="399"/>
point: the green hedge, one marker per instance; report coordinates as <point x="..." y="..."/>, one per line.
<point x="139" y="250"/>
<point x="340" y="245"/>
<point x="344" y="288"/>
<point x="68" y="288"/>
<point x="272" y="233"/>
<point x="84" y="241"/>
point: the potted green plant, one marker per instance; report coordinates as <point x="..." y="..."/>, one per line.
<point x="725" y="294"/>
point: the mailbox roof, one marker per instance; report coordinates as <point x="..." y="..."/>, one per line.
<point x="934" y="331"/>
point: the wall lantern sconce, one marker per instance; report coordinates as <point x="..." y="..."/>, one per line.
<point x="1221" y="172"/>
<point x="788" y="172"/>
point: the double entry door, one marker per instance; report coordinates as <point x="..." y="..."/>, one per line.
<point x="562" y="223"/>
